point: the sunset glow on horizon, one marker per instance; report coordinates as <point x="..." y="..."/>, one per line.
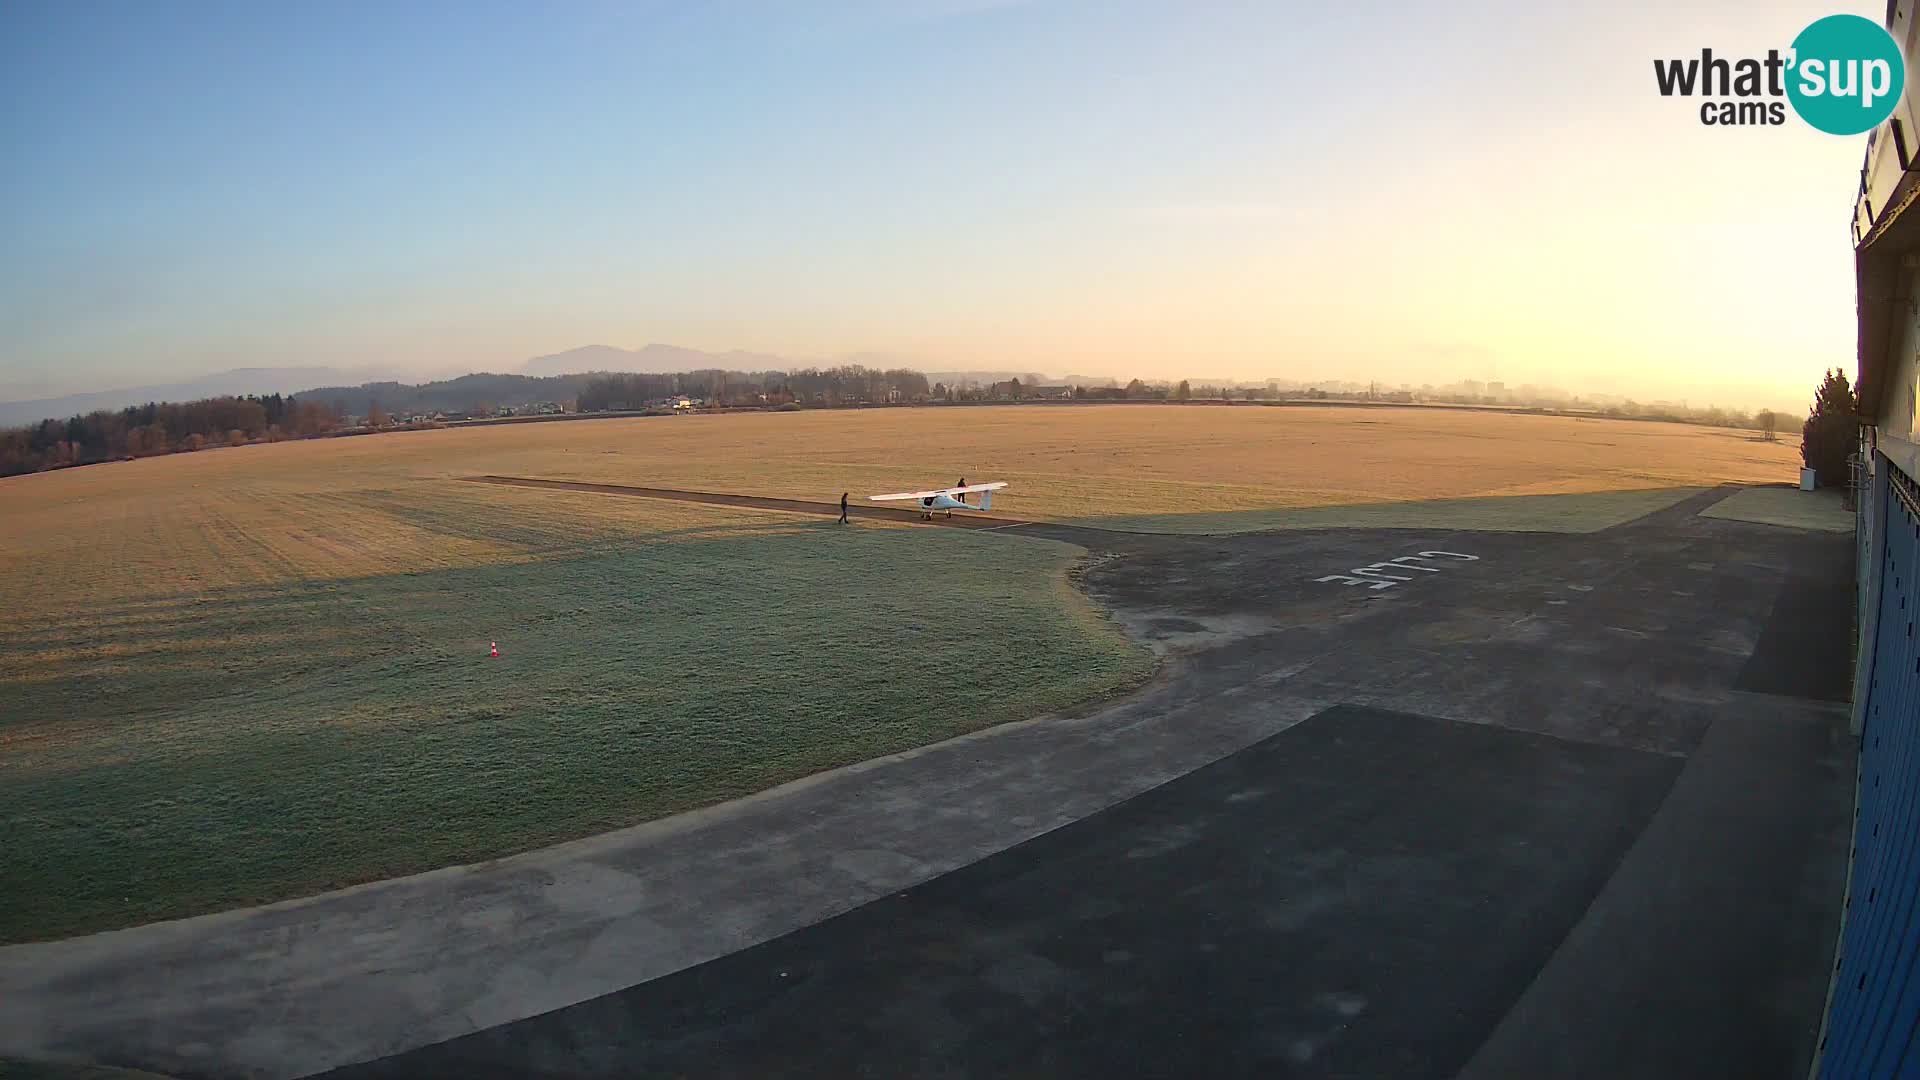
<point x="1242" y="191"/>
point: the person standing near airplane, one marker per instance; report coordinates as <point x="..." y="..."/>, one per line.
<point x="843" y="508"/>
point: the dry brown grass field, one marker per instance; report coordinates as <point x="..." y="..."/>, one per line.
<point x="1081" y="463"/>
<point x="1084" y="463"/>
<point x="343" y="507"/>
<point x="245" y="674"/>
<point x="1065" y="463"/>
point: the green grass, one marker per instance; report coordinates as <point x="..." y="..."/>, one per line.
<point x="1821" y="511"/>
<point x="259" y="743"/>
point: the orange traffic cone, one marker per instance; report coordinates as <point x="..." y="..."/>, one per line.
<point x="493" y="649"/>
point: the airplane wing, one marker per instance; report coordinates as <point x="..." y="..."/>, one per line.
<point x="938" y="491"/>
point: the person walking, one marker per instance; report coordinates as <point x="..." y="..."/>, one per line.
<point x="843" y="508"/>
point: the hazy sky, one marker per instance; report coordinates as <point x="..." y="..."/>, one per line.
<point x="1327" y="190"/>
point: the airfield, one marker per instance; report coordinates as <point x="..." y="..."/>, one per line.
<point x="1315" y="742"/>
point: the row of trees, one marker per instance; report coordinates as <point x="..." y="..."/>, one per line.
<point x="851" y="384"/>
<point x="1765" y="421"/>
<point x="638" y="391"/>
<point x="1010" y="390"/>
<point x="1828" y="434"/>
<point x="1136" y="390"/>
<point x="478" y="393"/>
<point x="160" y="428"/>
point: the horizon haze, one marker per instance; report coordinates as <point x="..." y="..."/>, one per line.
<point x="1227" y="190"/>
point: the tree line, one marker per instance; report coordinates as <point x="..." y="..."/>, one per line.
<point x="160" y="428"/>
<point x="851" y="384"/>
<point x="484" y="394"/>
<point x="477" y="394"/>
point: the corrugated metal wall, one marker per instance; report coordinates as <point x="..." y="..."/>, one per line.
<point x="1873" y="1018"/>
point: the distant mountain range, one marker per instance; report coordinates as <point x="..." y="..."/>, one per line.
<point x="544" y="378"/>
<point x="657" y="359"/>
<point x="256" y="380"/>
<point x="652" y="360"/>
<point x="555" y="378"/>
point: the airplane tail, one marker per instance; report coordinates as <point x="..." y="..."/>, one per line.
<point x="986" y="500"/>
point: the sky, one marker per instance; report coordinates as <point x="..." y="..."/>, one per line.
<point x="1403" y="192"/>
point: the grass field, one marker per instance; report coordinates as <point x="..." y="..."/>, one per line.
<point x="1168" y="469"/>
<point x="273" y="683"/>
<point x="1822" y="511"/>
<point x="244" y="675"/>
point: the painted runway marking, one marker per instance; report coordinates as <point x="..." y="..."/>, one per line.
<point x="1385" y="575"/>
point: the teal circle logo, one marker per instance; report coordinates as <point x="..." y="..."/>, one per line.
<point x="1845" y="75"/>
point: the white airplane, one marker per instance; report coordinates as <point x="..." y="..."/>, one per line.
<point x="948" y="499"/>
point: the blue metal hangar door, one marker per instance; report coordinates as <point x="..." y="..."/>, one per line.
<point x="1873" y="1018"/>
